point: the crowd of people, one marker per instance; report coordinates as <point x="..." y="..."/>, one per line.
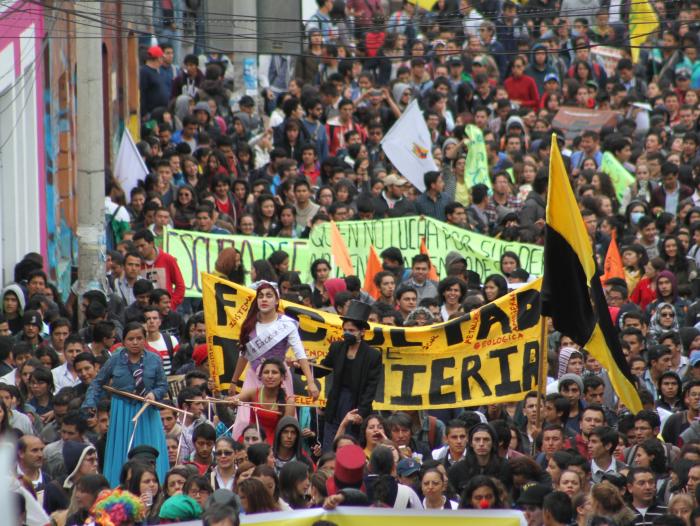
<point x="308" y="150"/>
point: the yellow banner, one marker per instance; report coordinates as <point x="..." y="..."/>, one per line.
<point x="346" y="516"/>
<point x="490" y="355"/>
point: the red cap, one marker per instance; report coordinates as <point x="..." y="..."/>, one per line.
<point x="349" y="469"/>
<point x="200" y="354"/>
<point x="155" y="52"/>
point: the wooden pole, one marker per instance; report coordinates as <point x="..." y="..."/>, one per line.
<point x="541" y="380"/>
<point x="154" y="403"/>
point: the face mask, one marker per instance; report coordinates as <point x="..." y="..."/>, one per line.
<point x="635" y="217"/>
<point x="349" y="338"/>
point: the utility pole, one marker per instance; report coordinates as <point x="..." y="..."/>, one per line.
<point x="91" y="162"/>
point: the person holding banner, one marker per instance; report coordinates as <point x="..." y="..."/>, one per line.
<point x="270" y="401"/>
<point x="134" y="370"/>
<point x="356" y="370"/>
<point x="265" y="334"/>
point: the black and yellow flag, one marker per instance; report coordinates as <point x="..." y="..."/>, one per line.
<point x="571" y="292"/>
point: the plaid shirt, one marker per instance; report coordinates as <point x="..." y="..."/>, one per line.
<point x="493" y="208"/>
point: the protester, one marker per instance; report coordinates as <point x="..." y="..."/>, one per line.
<point x="490" y="90"/>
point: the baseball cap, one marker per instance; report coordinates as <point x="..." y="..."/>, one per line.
<point x="155" y="52"/>
<point x="694" y="358"/>
<point x="394" y="180"/>
<point x="200" y="354"/>
<point x="533" y="495"/>
<point x="683" y="75"/>
<point x="32" y="317"/>
<point x="407" y="467"/>
<point x="551" y="76"/>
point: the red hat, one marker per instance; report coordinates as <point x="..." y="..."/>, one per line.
<point x="155" y="52"/>
<point x="200" y="354"/>
<point x="349" y="469"/>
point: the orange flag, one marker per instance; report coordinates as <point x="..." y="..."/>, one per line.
<point x="340" y="252"/>
<point x="374" y="265"/>
<point x="613" y="267"/>
<point x="432" y="273"/>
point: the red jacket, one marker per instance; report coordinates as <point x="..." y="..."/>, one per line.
<point x="174" y="283"/>
<point x="523" y="89"/>
<point x="643" y="294"/>
<point x="335" y="131"/>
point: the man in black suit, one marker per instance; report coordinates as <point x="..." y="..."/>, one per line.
<point x="356" y="368"/>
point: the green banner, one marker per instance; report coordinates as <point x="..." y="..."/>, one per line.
<point x="482" y="253"/>
<point x="476" y="167"/>
<point x="621" y="178"/>
<point x="196" y="252"/>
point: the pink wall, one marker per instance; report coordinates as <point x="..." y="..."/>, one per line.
<point x="18" y="17"/>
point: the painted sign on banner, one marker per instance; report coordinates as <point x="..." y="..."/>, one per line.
<point x="347" y="516"/>
<point x="609" y="56"/>
<point x="482" y="252"/>
<point x="196" y="252"/>
<point x="488" y="356"/>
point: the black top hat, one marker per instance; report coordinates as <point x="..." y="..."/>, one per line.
<point x="144" y="453"/>
<point x="358" y="312"/>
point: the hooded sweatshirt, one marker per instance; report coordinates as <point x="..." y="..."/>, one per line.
<point x="564" y="357"/>
<point x="397" y="91"/>
<point x="538" y="72"/>
<point x="299" y="454"/>
<point x="15" y="323"/>
<point x="333" y="287"/>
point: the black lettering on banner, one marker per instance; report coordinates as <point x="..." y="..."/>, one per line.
<point x="471" y="365"/>
<point x="491" y="314"/>
<point x="297" y="312"/>
<point x="200" y="244"/>
<point x="528" y="308"/>
<point x="453" y="330"/>
<point x="377" y="339"/>
<point x="531" y="364"/>
<point x="221" y="291"/>
<point x="193" y="281"/>
<point x="229" y="352"/>
<point x="408" y="373"/>
<point x="398" y="339"/>
<point x="379" y="395"/>
<point x="506" y="386"/>
<point x="438" y="379"/>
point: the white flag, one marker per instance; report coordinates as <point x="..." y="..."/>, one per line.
<point x="129" y="167"/>
<point x="408" y="146"/>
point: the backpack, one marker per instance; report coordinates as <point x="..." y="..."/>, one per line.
<point x="168" y="343"/>
<point x="111" y="234"/>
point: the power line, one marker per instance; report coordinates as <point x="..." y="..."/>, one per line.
<point x="221" y="18"/>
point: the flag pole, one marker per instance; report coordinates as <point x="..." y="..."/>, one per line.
<point x="541" y="379"/>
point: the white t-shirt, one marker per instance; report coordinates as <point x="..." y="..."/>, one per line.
<point x="161" y="349"/>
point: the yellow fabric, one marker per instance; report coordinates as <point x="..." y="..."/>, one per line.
<point x="643" y="23"/>
<point x="563" y="215"/>
<point x="490" y="356"/>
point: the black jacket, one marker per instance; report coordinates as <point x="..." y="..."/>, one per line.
<point x="366" y="372"/>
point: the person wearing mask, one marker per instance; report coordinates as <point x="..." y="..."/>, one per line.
<point x="356" y="368"/>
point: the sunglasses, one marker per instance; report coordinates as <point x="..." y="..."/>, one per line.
<point x="667" y="315"/>
<point x="224" y="452"/>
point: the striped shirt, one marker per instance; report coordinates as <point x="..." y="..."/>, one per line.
<point x="646" y="517"/>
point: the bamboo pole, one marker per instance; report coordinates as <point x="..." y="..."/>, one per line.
<point x="138" y="398"/>
<point x="541" y="379"/>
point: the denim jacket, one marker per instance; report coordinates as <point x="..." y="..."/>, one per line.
<point x="117" y="371"/>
